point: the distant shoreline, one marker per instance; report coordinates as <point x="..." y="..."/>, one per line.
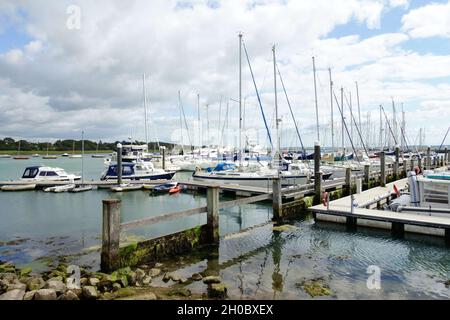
<point x="53" y="152"/>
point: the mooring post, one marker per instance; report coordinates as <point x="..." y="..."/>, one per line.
<point x="397" y="160"/>
<point x="212" y="204"/>
<point x="405" y="168"/>
<point x="348" y="182"/>
<point x="317" y="174"/>
<point x="428" y="165"/>
<point x="383" y="169"/>
<point x="367" y="175"/>
<point x="446" y="157"/>
<point x="119" y="164"/>
<point x="277" y="200"/>
<point x="163" y="148"/>
<point x="110" y="235"/>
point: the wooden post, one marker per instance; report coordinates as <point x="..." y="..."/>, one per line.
<point x="367" y="175"/>
<point x="110" y="235"/>
<point x="348" y="182"/>
<point x="317" y="174"/>
<point x="383" y="169"/>
<point x="277" y="200"/>
<point x="119" y="164"/>
<point x="212" y="203"/>
<point x="446" y="157"/>
<point x="412" y="164"/>
<point x="405" y="168"/>
<point x="428" y="166"/>
<point x="397" y="160"/>
<point x="419" y="164"/>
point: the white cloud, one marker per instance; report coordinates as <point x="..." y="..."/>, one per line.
<point x="432" y="20"/>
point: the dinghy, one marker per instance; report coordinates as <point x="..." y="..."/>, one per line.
<point x="59" y="189"/>
<point x="163" y="188"/>
<point x="19" y="187"/>
<point x="81" y="189"/>
<point x="126" y="187"/>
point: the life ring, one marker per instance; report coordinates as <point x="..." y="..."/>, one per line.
<point x="325" y="198"/>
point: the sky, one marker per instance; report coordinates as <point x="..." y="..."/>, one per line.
<point x="73" y="66"/>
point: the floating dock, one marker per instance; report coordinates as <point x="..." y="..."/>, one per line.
<point x="365" y="212"/>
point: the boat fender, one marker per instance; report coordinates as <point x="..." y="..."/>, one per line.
<point x="396" y="191"/>
<point x="417" y="170"/>
<point x="325" y="199"/>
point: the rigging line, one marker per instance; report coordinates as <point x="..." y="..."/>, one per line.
<point x="345" y="125"/>
<point x="290" y="109"/>
<point x="257" y="94"/>
<point x="442" y="143"/>
<point x="389" y="125"/>
<point x="356" y="125"/>
<point x="185" y="122"/>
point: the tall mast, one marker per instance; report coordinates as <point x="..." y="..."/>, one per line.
<point x="351" y="113"/>
<point x="240" y="100"/>
<point x="359" y="108"/>
<point x="342" y="116"/>
<point x="82" y="157"/>
<point x="332" y="120"/>
<point x="394" y="120"/>
<point x="315" y="99"/>
<point x="381" y="130"/>
<point x="207" y="126"/>
<point x="276" y="109"/>
<point x="199" y="124"/>
<point x="181" y="123"/>
<point x="145" y="108"/>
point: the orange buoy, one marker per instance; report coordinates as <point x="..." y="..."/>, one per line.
<point x="174" y="190"/>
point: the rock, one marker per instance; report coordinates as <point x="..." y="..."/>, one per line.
<point x="8" y="277"/>
<point x="56" y="285"/>
<point x="29" y="295"/>
<point x="116" y="286"/>
<point x="90" y="293"/>
<point x="45" y="294"/>
<point x="25" y="271"/>
<point x="196" y="277"/>
<point x="15" y="294"/>
<point x="211" y="279"/>
<point x="83" y="281"/>
<point x="17" y="286"/>
<point x="149" y="296"/>
<point x="94" y="281"/>
<point x="315" y="288"/>
<point x="217" y="290"/>
<point x="154" y="272"/>
<point x="57" y="278"/>
<point x="140" y="274"/>
<point x="132" y="278"/>
<point x="7" y="268"/>
<point x="447" y="283"/>
<point x="283" y="228"/>
<point x="144" y="266"/>
<point x="35" y="283"/>
<point x="146" y="281"/>
<point x="183" y="280"/>
<point x="175" y="277"/>
<point x="180" y="292"/>
<point x="69" y="295"/>
<point x="158" y="265"/>
<point x="166" y="277"/>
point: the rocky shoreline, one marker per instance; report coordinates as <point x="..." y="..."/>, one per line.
<point x="125" y="283"/>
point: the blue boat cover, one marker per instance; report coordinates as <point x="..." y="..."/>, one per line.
<point x="223" y="167"/>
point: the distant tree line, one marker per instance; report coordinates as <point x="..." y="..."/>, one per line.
<point x="68" y="145"/>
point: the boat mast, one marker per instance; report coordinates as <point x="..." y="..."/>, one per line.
<point x="181" y="123"/>
<point x="359" y="107"/>
<point x="315" y="99"/>
<point x="240" y="100"/>
<point x="342" y="118"/>
<point x="381" y="130"/>
<point x="332" y="119"/>
<point x="82" y="157"/>
<point x="277" y="120"/>
<point x="145" y="108"/>
<point x="199" y="125"/>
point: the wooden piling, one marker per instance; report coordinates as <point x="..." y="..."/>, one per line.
<point x="383" y="169"/>
<point x="405" y="168"/>
<point x="348" y="182"/>
<point x="428" y="165"/>
<point x="397" y="160"/>
<point x="110" y="235"/>
<point x="163" y="148"/>
<point x="367" y="175"/>
<point x="317" y="174"/>
<point x="119" y="164"/>
<point x="277" y="201"/>
<point x="446" y="157"/>
<point x="212" y="223"/>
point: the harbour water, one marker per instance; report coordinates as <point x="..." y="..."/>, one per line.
<point x="38" y="229"/>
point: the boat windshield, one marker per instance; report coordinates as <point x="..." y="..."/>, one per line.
<point x="30" y="173"/>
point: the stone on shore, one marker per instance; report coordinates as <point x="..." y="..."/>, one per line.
<point x="29" y="295"/>
<point x="94" y="282"/>
<point x="196" y="277"/>
<point x="69" y="295"/>
<point x="35" y="283"/>
<point x="217" y="290"/>
<point x="154" y="272"/>
<point x="15" y="294"/>
<point x="45" y="294"/>
<point x="146" y="281"/>
<point x="56" y="285"/>
<point x="90" y="293"/>
<point x="17" y="285"/>
<point x="211" y="279"/>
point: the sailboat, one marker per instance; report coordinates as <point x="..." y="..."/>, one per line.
<point x="20" y="157"/>
<point x="97" y="155"/>
<point x="82" y="187"/>
<point x="49" y="156"/>
<point x="73" y="155"/>
<point x="263" y="176"/>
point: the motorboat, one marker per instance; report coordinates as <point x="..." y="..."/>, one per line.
<point x="42" y="173"/>
<point x="137" y="171"/>
<point x="18" y="187"/>
<point x="4" y="156"/>
<point x="65" y="154"/>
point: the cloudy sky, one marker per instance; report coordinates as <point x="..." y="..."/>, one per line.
<point x="67" y="66"/>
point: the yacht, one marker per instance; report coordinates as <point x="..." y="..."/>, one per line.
<point x="137" y="171"/>
<point x="41" y="173"/>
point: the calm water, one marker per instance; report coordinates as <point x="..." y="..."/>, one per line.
<point x="37" y="228"/>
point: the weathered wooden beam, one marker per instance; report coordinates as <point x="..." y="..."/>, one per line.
<point x="110" y="235"/>
<point x="383" y="169"/>
<point x="317" y="173"/>
<point x="212" y="224"/>
<point x="277" y="200"/>
<point x="239" y="202"/>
